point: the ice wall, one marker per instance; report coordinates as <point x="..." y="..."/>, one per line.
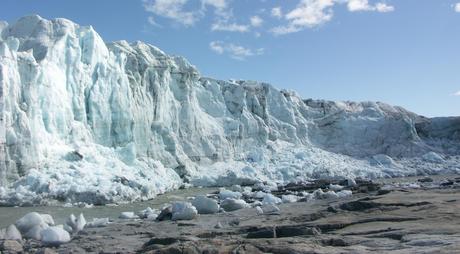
<point x="87" y="121"/>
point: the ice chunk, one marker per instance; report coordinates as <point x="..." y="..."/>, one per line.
<point x="28" y="221"/>
<point x="76" y="224"/>
<point x="223" y="194"/>
<point x="335" y="187"/>
<point x="344" y="194"/>
<point x="289" y="198"/>
<point x="320" y="194"/>
<point x="271" y="209"/>
<point x="433" y="157"/>
<point x="80" y="223"/>
<point x="237" y="188"/>
<point x="148" y="213"/>
<point x="205" y="205"/>
<point x="35" y="232"/>
<point x="351" y="182"/>
<point x="71" y="221"/>
<point x="271" y="199"/>
<point x="183" y="211"/>
<point x="128" y="216"/>
<point x="384" y="160"/>
<point x="231" y="204"/>
<point x="98" y="222"/>
<point x="54" y="236"/>
<point x="48" y="219"/>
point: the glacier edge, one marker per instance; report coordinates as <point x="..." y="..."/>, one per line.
<point x="86" y="121"/>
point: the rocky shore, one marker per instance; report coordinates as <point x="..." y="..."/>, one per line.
<point x="407" y="215"/>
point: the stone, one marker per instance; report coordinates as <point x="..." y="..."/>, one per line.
<point x="12" y="233"/>
<point x="10" y="247"/>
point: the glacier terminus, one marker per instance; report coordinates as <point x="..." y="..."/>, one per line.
<point x="83" y="120"/>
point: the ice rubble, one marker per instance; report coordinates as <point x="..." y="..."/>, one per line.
<point x="86" y="121"/>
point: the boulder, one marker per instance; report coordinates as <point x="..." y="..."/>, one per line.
<point x="12" y="233"/>
<point x="10" y="247"/>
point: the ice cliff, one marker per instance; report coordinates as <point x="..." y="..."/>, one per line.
<point x="84" y="120"/>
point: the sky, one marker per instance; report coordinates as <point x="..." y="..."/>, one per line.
<point x="403" y="52"/>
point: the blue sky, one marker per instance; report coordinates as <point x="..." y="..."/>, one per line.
<point x="404" y="52"/>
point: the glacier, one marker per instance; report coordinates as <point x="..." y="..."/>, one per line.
<point x="87" y="121"/>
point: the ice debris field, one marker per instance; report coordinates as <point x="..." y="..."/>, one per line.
<point x="87" y="121"/>
<point x="42" y="228"/>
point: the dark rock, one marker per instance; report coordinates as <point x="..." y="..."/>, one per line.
<point x="234" y="222"/>
<point x="161" y="241"/>
<point x="263" y="233"/>
<point x="383" y="192"/>
<point x="425" y="180"/>
<point x="447" y="183"/>
<point x="358" y="205"/>
<point x="283" y="231"/>
<point x="332" y="209"/>
<point x="336" y="242"/>
<point x="290" y="231"/>
<point x="166" y="214"/>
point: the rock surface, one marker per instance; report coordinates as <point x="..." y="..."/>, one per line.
<point x="403" y="220"/>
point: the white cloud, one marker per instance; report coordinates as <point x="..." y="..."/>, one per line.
<point x="234" y="51"/>
<point x="457" y="93"/>
<point x="256" y="21"/>
<point x="312" y="13"/>
<point x="217" y="47"/>
<point x="358" y="5"/>
<point x="276" y="12"/>
<point x="308" y="13"/>
<point x="363" y="5"/>
<point x="172" y="9"/>
<point x="152" y="21"/>
<point x="176" y="10"/>
<point x="229" y="27"/>
<point x="383" y="7"/>
<point x="457" y="7"/>
<point x="218" y="4"/>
